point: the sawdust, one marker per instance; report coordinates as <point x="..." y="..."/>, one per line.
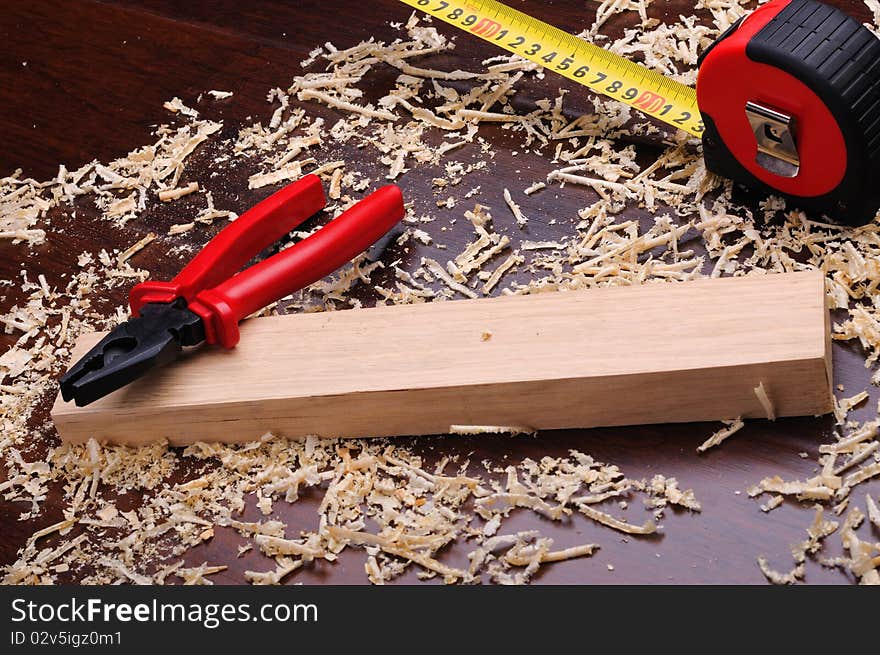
<point x="376" y="496"/>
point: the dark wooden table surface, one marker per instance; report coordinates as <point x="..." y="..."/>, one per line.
<point x="81" y="79"/>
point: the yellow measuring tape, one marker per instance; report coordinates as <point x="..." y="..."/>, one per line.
<point x="602" y="71"/>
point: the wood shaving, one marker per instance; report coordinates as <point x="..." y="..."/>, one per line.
<point x="866" y="432"/>
<point x="167" y="195"/>
<point x="856" y="478"/>
<point x="812" y="489"/>
<point x="584" y="550"/>
<point x="765" y="401"/>
<point x="665" y="490"/>
<point x="437" y="270"/>
<point x="320" y="96"/>
<point x="649" y="527"/>
<point x="335" y="189"/>
<point x="844" y="405"/>
<point x="21" y="206"/>
<point x="291" y="171"/>
<point x="496" y="275"/>
<point x="328" y="167"/>
<point x="135" y="248"/>
<point x="521" y="220"/>
<point x="773" y="503"/>
<point x="792" y="577"/>
<point x="196" y="575"/>
<point x="176" y="105"/>
<point x="732" y="427"/>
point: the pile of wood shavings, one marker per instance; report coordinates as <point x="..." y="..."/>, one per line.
<point x="429" y="121"/>
<point x="417" y="512"/>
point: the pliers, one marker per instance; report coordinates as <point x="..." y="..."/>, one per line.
<point x="208" y="298"/>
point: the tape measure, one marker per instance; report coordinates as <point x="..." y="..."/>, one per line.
<point x="787" y="99"/>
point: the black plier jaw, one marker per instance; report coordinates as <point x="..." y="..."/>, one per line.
<point x="131" y="349"/>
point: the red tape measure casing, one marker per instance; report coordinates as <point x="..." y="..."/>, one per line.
<point x="791" y="101"/>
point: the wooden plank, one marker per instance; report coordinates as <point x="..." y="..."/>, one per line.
<point x="618" y="356"/>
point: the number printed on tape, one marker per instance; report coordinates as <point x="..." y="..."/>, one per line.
<point x="556" y="50"/>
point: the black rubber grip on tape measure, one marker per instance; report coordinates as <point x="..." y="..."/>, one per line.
<point x="835" y="56"/>
<point x="839" y="59"/>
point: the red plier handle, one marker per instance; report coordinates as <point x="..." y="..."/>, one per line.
<point x="216" y="291"/>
